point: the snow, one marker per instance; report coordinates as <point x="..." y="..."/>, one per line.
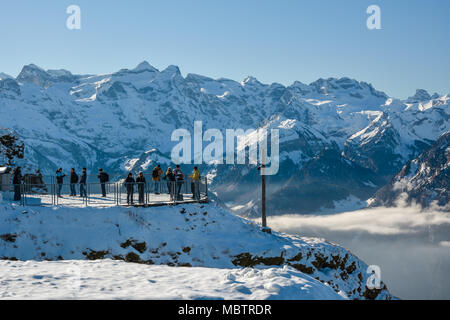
<point x="196" y="235"/>
<point x="109" y="279"/>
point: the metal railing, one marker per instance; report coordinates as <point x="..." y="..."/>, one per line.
<point x="107" y="194"/>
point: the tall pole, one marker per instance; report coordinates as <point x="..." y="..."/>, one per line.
<point x="263" y="192"/>
<point x="263" y="197"/>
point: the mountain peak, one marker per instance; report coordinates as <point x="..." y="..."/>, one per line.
<point x="435" y="96"/>
<point x="4" y="76"/>
<point x="249" y="80"/>
<point x="33" y="66"/>
<point x="172" y="70"/>
<point x="145" y="66"/>
<point x="34" y="74"/>
<point x="421" y="95"/>
<point x="355" y="88"/>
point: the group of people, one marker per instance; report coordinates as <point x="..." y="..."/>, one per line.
<point x="81" y="181"/>
<point x="174" y="178"/>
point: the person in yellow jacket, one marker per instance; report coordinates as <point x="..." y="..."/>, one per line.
<point x="156" y="178"/>
<point x="195" y="184"/>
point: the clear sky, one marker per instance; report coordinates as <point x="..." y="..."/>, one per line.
<point x="275" y="41"/>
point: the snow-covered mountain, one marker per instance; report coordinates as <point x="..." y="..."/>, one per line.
<point x="123" y="121"/>
<point x="245" y="261"/>
<point x="423" y="180"/>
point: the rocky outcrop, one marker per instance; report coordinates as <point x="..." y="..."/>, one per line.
<point x="424" y="180"/>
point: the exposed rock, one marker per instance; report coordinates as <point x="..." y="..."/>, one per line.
<point x="8" y="237"/>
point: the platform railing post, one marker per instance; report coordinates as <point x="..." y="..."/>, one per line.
<point x="206" y="188"/>
<point x="23" y="194"/>
<point x="52" y="186"/>
<point x="175" y="187"/>
<point x="52" y="183"/>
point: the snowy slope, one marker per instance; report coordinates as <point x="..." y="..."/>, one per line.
<point x="109" y="279"/>
<point x="189" y="235"/>
<point x="123" y="121"/>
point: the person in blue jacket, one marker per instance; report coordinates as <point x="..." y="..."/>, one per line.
<point x="59" y="181"/>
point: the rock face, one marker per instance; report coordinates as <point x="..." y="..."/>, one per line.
<point x="124" y="121"/>
<point x="188" y="236"/>
<point x="326" y="178"/>
<point x="424" y="180"/>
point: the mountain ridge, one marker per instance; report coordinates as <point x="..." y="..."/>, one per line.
<point x="113" y="120"/>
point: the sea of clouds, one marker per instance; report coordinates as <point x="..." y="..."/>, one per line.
<point x="411" y="245"/>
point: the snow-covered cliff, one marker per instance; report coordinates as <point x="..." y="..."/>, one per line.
<point x="197" y="236"/>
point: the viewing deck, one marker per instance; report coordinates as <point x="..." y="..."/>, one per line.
<point x="162" y="194"/>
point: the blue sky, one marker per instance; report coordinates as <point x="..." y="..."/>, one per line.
<point x="275" y="41"/>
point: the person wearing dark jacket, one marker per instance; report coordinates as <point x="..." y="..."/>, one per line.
<point x="104" y="178"/>
<point x="170" y="177"/>
<point x="59" y="180"/>
<point x="129" y="185"/>
<point x="140" y="180"/>
<point x="73" y="182"/>
<point x="179" y="177"/>
<point x="17" y="180"/>
<point x="83" y="179"/>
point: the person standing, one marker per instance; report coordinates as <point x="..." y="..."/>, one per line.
<point x="59" y="181"/>
<point x="129" y="185"/>
<point x="170" y="177"/>
<point x="17" y="181"/>
<point x="140" y="180"/>
<point x="73" y="182"/>
<point x="40" y="181"/>
<point x="83" y="180"/>
<point x="104" y="178"/>
<point x="156" y="177"/>
<point x="195" y="184"/>
<point x="179" y="177"/>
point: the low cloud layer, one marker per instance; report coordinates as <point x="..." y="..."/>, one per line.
<point x="411" y="246"/>
<point x="376" y="221"/>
